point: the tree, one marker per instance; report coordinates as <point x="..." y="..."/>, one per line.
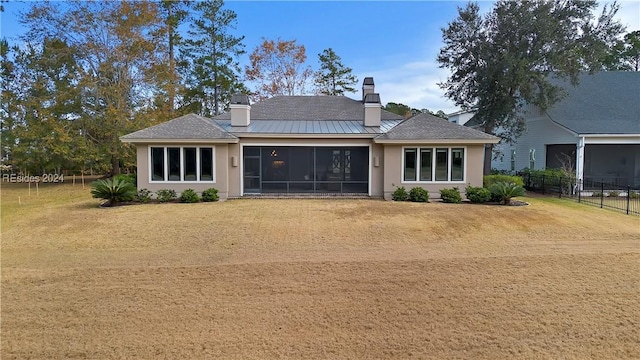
<point x="510" y="57"/>
<point x="401" y="109"/>
<point x="625" y="53"/>
<point x="334" y="78"/>
<point x="119" y="62"/>
<point x="212" y="53"/>
<point x="278" y="68"/>
<point x="10" y="110"/>
<point x="174" y="13"/>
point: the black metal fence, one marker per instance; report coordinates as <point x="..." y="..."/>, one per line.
<point x="592" y="192"/>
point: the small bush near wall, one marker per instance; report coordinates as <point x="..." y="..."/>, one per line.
<point x="189" y="196"/>
<point x="400" y="194"/>
<point x="144" y="196"/>
<point x="131" y="178"/>
<point x="210" y="195"/>
<point x="613" y="193"/>
<point x="451" y="195"/>
<point x="418" y="194"/>
<point x="504" y="191"/>
<point x="489" y="180"/>
<point x="166" y="195"/>
<point x="477" y="195"/>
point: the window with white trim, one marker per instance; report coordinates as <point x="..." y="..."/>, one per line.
<point x="532" y="159"/>
<point x="181" y="164"/>
<point x="433" y="164"/>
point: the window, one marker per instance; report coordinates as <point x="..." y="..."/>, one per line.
<point x="513" y="160"/>
<point x="532" y="159"/>
<point x="425" y="164"/>
<point x="435" y="164"/>
<point x="410" y="164"/>
<point x="441" y="164"/>
<point x="457" y="162"/>
<point x="190" y="164"/>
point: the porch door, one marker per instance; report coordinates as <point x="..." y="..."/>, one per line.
<point x="252" y="171"/>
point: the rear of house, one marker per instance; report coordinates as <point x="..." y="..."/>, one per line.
<point x="308" y="144"/>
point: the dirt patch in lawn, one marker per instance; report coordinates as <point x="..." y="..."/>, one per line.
<point x="316" y="279"/>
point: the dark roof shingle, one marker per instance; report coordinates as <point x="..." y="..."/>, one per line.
<point x="189" y="126"/>
<point x="426" y="126"/>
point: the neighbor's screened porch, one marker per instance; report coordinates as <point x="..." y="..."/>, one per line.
<point x="305" y="169"/>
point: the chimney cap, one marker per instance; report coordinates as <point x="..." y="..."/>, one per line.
<point x="368" y="81"/>
<point x="372" y="98"/>
<point x="241" y="99"/>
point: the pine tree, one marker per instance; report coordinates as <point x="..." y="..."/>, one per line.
<point x="334" y="78"/>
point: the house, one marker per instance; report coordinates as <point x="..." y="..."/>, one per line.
<point x="308" y="144"/>
<point x="461" y="117"/>
<point x="594" y="131"/>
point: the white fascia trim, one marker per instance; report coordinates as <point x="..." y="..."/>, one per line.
<point x="438" y="141"/>
<point x="303" y="136"/>
<point x="611" y="139"/>
<point x="180" y="141"/>
<point x="373" y="105"/>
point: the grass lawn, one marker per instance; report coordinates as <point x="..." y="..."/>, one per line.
<point x="256" y="279"/>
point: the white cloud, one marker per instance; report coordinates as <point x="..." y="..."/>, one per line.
<point x="629" y="15"/>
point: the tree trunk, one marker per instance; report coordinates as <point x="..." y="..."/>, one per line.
<point x="115" y="165"/>
<point x="488" y="154"/>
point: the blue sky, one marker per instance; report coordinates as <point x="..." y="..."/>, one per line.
<point x="395" y="42"/>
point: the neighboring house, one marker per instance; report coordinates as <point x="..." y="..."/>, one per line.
<point x="460" y="117"/>
<point x="594" y="131"/>
<point x="309" y="144"/>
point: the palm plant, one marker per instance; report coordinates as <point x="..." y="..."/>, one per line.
<point x="113" y="191"/>
<point x="505" y="191"/>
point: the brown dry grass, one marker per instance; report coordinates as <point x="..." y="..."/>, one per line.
<point x="315" y="279"/>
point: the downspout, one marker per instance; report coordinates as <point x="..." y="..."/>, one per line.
<point x="580" y="162"/>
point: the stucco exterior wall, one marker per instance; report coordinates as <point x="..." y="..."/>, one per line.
<point x="221" y="166"/>
<point x="474" y="160"/>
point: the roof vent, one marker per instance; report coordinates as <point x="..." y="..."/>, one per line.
<point x="241" y="99"/>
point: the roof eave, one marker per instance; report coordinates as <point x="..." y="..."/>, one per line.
<point x="179" y="141"/>
<point x="437" y="141"/>
<point x="305" y="135"/>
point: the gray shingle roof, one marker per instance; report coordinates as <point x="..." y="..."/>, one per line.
<point x="189" y="126"/>
<point x="602" y="103"/>
<point x="315" y="108"/>
<point x="426" y="126"/>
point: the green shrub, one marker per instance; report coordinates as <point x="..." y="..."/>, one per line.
<point x="189" y="196"/>
<point x="166" y="195"/>
<point x="596" y="194"/>
<point x="489" y="180"/>
<point x="131" y="178"/>
<point x="418" y="194"/>
<point x="400" y="194"/>
<point x="477" y="195"/>
<point x="144" y="196"/>
<point x="451" y="195"/>
<point x="634" y="195"/>
<point x="505" y="191"/>
<point x="613" y="193"/>
<point x="210" y="195"/>
<point x="113" y="191"/>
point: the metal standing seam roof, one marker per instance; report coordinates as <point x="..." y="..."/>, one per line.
<point x="308" y="127"/>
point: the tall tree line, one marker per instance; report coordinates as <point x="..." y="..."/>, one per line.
<point x="90" y="72"/>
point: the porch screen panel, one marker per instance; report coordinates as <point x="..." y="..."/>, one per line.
<point x="157" y="164"/>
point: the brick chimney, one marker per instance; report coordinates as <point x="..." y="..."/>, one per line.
<point x="372" y="110"/>
<point x="240" y="110"/>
